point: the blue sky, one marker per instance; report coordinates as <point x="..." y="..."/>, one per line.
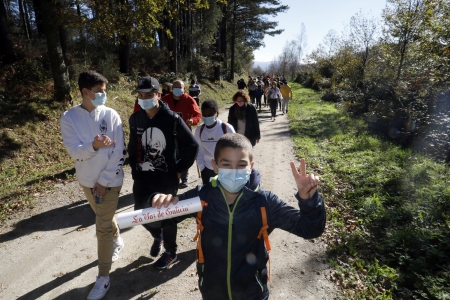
<point x="319" y="17"/>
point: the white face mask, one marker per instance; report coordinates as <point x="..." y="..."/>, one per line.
<point x="100" y="99"/>
<point x="233" y="180"/>
<point x="147" y="103"/>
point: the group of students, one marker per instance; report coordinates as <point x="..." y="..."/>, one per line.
<point x="275" y="90"/>
<point x="238" y="214"/>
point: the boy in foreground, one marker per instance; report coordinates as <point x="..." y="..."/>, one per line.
<point x="93" y="136"/>
<point x="231" y="252"/>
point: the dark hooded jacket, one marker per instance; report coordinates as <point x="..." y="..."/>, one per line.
<point x="151" y="148"/>
<point x="252" y="131"/>
<point x="235" y="259"/>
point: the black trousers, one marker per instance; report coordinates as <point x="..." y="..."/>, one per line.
<point x="258" y="101"/>
<point x="207" y="174"/>
<point x="273" y="107"/>
<point x="184" y="176"/>
<point x="142" y="192"/>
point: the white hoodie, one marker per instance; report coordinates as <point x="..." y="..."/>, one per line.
<point x="78" y="129"/>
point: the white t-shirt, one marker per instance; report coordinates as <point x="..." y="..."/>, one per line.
<point x="208" y="142"/>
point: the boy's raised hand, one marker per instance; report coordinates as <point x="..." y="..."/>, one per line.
<point x="160" y="200"/>
<point x="306" y="183"/>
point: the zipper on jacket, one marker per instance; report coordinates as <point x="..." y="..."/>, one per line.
<point x="259" y="281"/>
<point x="230" y="235"/>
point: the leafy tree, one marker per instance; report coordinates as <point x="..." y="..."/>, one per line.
<point x="363" y="30"/>
<point x="248" y="24"/>
<point x="403" y="20"/>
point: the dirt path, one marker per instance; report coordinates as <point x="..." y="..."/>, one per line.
<point x="50" y="252"/>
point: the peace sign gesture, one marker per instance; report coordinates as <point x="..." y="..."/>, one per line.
<point x="306" y="183"/>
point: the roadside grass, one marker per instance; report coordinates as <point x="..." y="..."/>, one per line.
<point x="388" y="229"/>
<point x="32" y="154"/>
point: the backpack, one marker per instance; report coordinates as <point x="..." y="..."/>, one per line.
<point x="224" y="129"/>
<point x="263" y="233"/>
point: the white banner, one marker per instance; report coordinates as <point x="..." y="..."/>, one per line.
<point x="148" y="215"/>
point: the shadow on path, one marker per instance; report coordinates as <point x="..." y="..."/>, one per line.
<point x="127" y="282"/>
<point x="77" y="214"/>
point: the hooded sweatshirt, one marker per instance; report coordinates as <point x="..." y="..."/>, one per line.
<point x="78" y="129"/>
<point x="152" y="147"/>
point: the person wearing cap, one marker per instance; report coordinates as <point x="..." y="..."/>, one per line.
<point x="161" y="147"/>
<point x="184" y="105"/>
<point x="93" y="136"/>
<point x="286" y="93"/>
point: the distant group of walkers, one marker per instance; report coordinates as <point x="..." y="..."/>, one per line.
<point x="275" y="89"/>
<point x="231" y="260"/>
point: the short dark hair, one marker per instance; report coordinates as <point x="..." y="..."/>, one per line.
<point x="242" y="94"/>
<point x="193" y="81"/>
<point x="89" y="79"/>
<point x="233" y="140"/>
<point x="210" y="103"/>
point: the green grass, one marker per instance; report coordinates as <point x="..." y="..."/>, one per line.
<point x="32" y="155"/>
<point x="388" y="208"/>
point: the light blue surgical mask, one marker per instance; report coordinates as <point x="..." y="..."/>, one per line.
<point x="177" y="92"/>
<point x="100" y="99"/>
<point x="147" y="103"/>
<point x="233" y="180"/>
<point x="209" y="120"/>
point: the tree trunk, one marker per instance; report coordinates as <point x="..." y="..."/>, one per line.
<point x="23" y="20"/>
<point x="38" y="16"/>
<point x="63" y="41"/>
<point x="82" y="39"/>
<point x="6" y="50"/>
<point x="223" y="38"/>
<point x="173" y="47"/>
<point x="124" y="54"/>
<point x="233" y="42"/>
<point x="27" y="19"/>
<point x="59" y="69"/>
<point x="402" y="57"/>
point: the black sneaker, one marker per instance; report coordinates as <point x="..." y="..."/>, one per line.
<point x="183" y="185"/>
<point x="165" y="260"/>
<point x="156" y="247"/>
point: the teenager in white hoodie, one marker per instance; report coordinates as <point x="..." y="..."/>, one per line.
<point x="93" y="136"/>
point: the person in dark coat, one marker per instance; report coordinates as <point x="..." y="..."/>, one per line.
<point x="244" y="117"/>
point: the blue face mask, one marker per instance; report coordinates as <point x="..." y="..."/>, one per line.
<point x="233" y="180"/>
<point x="177" y="92"/>
<point x="147" y="104"/>
<point x="100" y="99"/>
<point x="209" y="120"/>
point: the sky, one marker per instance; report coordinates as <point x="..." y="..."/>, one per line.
<point x="319" y="17"/>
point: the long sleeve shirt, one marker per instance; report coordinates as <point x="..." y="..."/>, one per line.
<point x="186" y="107"/>
<point x="78" y="129"/>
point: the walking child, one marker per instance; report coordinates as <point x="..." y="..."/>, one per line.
<point x="161" y="147"/>
<point x="207" y="136"/>
<point x="233" y="244"/>
<point x="93" y="136"/>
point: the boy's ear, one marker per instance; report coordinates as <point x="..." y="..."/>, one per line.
<point x="216" y="169"/>
<point x="252" y="165"/>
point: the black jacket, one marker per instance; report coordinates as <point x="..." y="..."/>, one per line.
<point x="151" y="147"/>
<point x="251" y="122"/>
<point x="244" y="276"/>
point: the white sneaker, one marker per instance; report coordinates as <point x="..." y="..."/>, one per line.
<point x="100" y="288"/>
<point x="117" y="246"/>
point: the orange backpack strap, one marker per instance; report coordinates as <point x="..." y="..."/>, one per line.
<point x="264" y="234"/>
<point x="198" y="235"/>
